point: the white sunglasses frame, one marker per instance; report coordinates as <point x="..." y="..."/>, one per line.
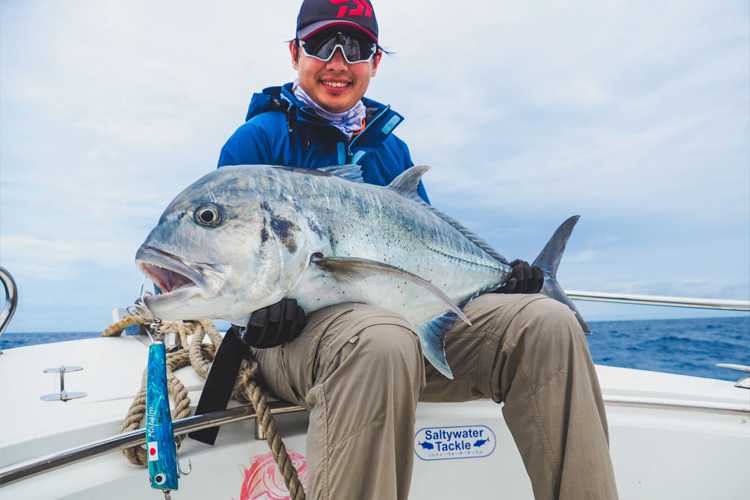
<point x="333" y="53"/>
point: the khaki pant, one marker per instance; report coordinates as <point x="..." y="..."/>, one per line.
<point x="359" y="369"/>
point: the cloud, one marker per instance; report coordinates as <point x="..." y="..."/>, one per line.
<point x="631" y="114"/>
<point x="581" y="257"/>
<point x="52" y="260"/>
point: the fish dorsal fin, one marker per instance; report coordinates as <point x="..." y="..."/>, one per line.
<point x="351" y="172"/>
<point x="407" y="183"/>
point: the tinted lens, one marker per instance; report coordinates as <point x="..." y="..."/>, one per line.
<point x="324" y="46"/>
<point x="350" y="46"/>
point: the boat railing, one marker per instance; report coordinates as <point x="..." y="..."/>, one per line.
<point x="11" y="299"/>
<point x="658" y="300"/>
<point x="32" y="467"/>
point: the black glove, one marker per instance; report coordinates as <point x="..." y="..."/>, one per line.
<point x="523" y="278"/>
<point x="274" y="325"/>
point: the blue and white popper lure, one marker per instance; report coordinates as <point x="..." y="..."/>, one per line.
<point x="161" y="449"/>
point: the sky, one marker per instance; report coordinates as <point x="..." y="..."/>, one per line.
<point x="634" y="115"/>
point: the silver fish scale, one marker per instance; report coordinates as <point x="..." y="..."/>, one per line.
<point x="387" y="227"/>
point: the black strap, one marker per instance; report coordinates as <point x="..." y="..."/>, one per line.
<point x="220" y="382"/>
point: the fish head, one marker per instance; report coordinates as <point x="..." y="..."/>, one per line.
<point x="230" y="244"/>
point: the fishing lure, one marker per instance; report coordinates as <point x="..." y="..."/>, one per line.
<point x="161" y="449"/>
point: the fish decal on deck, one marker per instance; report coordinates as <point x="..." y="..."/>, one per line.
<point x="263" y="479"/>
<point x="244" y="237"/>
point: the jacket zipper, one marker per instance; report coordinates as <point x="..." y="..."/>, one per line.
<point x="382" y="112"/>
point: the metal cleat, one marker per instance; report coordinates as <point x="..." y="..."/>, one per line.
<point x="63" y="395"/>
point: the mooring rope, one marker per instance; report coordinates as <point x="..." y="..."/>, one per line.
<point x="200" y="356"/>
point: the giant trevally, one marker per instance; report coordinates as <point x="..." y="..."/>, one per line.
<point x="244" y="237"/>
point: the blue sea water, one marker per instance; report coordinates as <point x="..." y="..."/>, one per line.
<point x="683" y="346"/>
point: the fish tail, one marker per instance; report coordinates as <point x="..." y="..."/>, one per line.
<point x="549" y="260"/>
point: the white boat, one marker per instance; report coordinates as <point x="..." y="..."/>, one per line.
<point x="672" y="436"/>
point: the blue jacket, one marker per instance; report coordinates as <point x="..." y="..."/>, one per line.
<point x="281" y="130"/>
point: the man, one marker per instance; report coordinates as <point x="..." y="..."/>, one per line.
<point x="358" y="368"/>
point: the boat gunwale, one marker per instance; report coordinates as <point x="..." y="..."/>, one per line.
<point x="45" y="463"/>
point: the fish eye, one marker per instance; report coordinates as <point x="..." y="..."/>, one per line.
<point x="208" y="215"/>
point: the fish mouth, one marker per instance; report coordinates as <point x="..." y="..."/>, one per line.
<point x="172" y="274"/>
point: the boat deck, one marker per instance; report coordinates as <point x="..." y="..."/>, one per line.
<point x="672" y="436"/>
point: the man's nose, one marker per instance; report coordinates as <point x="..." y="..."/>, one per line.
<point x="337" y="62"/>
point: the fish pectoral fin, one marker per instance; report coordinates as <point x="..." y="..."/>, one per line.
<point x="432" y="338"/>
<point x="352" y="268"/>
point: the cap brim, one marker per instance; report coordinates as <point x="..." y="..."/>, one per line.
<point x="320" y="25"/>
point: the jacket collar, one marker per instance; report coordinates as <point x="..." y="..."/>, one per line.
<point x="381" y="119"/>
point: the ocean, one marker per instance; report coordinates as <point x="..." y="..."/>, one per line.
<point x="682" y="346"/>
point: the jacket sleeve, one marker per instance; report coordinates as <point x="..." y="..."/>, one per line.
<point x="249" y="145"/>
<point x="408" y="164"/>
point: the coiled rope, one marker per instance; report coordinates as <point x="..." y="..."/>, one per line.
<point x="200" y="356"/>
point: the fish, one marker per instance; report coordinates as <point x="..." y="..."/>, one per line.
<point x="480" y="442"/>
<point x="243" y="237"/>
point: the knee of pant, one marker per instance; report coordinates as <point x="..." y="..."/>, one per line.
<point x="384" y="332"/>
<point x="388" y="353"/>
<point x="390" y="344"/>
<point x="548" y="331"/>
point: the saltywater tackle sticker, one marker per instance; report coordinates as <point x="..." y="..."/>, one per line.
<point x="450" y="443"/>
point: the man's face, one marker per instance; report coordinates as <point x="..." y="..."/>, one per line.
<point x="335" y="84"/>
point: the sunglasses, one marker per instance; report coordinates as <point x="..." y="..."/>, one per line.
<point x="323" y="47"/>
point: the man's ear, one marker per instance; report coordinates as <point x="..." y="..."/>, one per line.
<point x="294" y="51"/>
<point x="375" y="62"/>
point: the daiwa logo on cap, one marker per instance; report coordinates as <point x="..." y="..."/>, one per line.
<point x="153" y="451"/>
<point x="450" y="443"/>
<point x="362" y="8"/>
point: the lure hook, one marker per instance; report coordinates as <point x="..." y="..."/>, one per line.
<point x="182" y="472"/>
<point x="143" y="283"/>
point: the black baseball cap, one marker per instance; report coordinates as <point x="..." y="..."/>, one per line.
<point x="317" y="15"/>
